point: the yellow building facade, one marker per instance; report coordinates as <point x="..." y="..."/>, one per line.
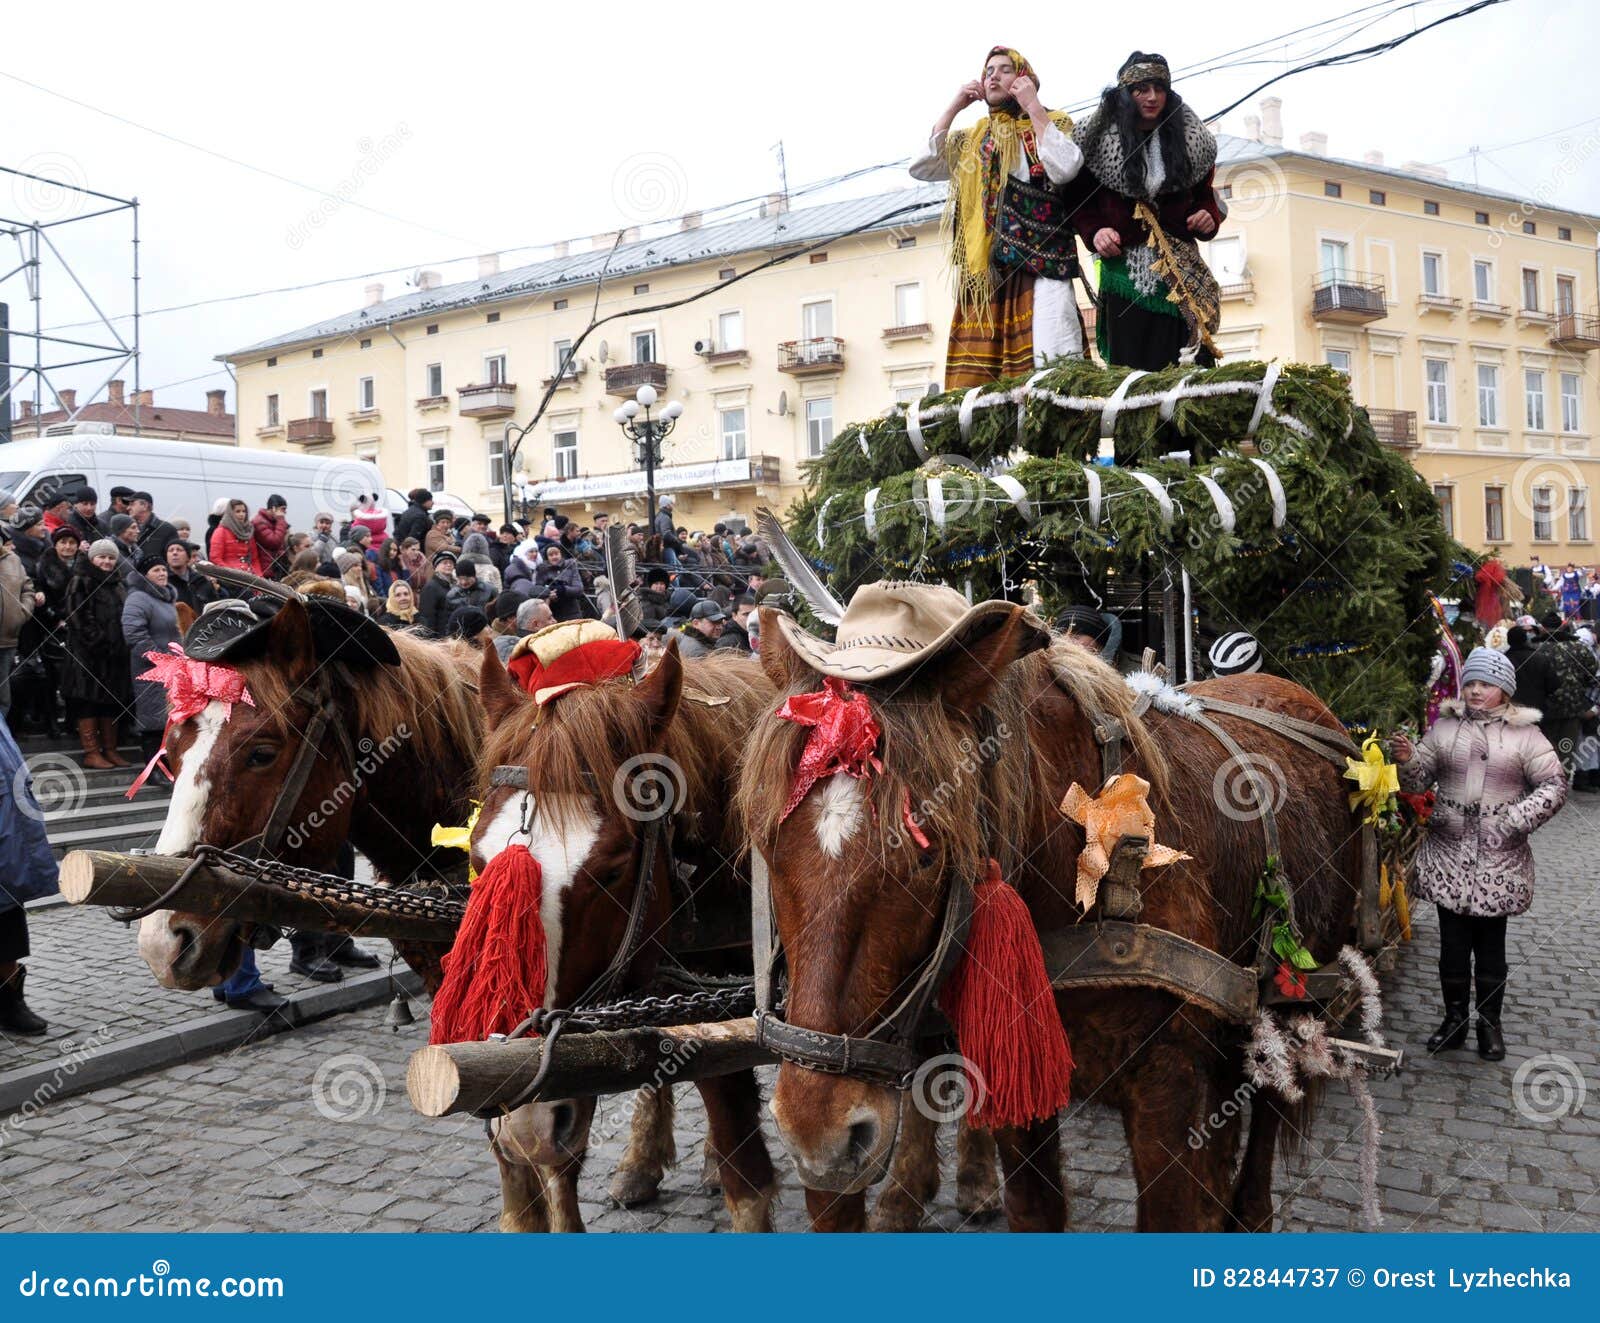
<point x="1465" y="319"/>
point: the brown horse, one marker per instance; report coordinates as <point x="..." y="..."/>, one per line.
<point x="985" y="739"/>
<point x="419" y="728"/>
<point x="601" y="762"/>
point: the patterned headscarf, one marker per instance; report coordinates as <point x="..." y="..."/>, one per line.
<point x="979" y="159"/>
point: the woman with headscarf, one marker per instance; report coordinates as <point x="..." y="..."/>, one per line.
<point x="233" y="542"/>
<point x="1146" y="197"/>
<point x="400" y="607"/>
<point x="1011" y="242"/>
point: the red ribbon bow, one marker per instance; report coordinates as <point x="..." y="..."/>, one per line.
<point x="190" y="686"/>
<point x="844" y="737"/>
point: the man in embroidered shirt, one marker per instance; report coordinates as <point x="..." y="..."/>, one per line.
<point x="1006" y="322"/>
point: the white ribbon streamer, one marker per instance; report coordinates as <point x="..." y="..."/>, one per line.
<point x="914" y="431"/>
<point x="822" y="514"/>
<point x="1154" y="487"/>
<point x="869" y="509"/>
<point x="965" y="415"/>
<point x="1280" y="502"/>
<point x="936" y="502"/>
<point x="861" y="440"/>
<point x="1169" y="400"/>
<point x="1016" y="491"/>
<point x="1269" y="382"/>
<point x="1113" y="406"/>
<point x="1227" y="516"/>
<point x="1093" y="480"/>
<point x="1022" y="404"/>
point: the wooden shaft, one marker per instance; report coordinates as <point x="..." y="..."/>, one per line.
<point x="456" y="1078"/>
<point x="101" y="877"/>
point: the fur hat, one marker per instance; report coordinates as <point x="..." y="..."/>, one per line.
<point x="102" y="547"/>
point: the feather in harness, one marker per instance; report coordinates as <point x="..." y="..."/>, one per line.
<point x="1166" y="260"/>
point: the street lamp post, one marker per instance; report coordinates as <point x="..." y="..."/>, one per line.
<point x="647" y="433"/>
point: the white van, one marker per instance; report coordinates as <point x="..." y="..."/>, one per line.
<point x="185" y="478"/>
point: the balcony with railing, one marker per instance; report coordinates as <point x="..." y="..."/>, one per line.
<point x="491" y="399"/>
<point x="1241" y="288"/>
<point x="817" y="357"/>
<point x="1576" y="332"/>
<point x="568" y="379"/>
<point x="1443" y="304"/>
<point x="626" y="378"/>
<point x="911" y="331"/>
<point x="1395" y="427"/>
<point x="1348" y="297"/>
<point x="1486" y="310"/>
<point x="310" y="431"/>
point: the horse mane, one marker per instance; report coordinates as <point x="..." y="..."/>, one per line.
<point x="1097" y="687"/>
<point x="432" y="693"/>
<point x="584" y="738"/>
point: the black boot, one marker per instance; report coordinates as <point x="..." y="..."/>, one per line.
<point x="15" y="1017"/>
<point x="1491" y="994"/>
<point x="1491" y="1042"/>
<point x="345" y="952"/>
<point x="1457" y="1002"/>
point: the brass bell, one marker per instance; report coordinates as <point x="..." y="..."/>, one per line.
<point x="399" y="1015"/>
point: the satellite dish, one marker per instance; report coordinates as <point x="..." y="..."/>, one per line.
<point x="783" y="403"/>
<point x="605" y="351"/>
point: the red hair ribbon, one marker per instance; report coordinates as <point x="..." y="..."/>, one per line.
<point x="190" y="686"/>
<point x="844" y="737"/>
<point x="588" y="664"/>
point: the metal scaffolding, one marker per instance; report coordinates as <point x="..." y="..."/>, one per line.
<point x="36" y="253"/>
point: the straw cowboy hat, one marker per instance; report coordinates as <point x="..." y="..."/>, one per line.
<point x="894" y="626"/>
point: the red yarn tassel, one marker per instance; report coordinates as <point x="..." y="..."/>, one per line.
<point x="1019" y="1065"/>
<point x="495" y="973"/>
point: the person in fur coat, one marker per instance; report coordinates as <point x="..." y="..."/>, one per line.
<point x="1496" y="781"/>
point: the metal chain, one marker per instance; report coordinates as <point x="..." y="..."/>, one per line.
<point x="654" y="1012"/>
<point x="325" y="887"/>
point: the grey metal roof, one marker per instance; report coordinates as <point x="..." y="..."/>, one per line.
<point x="676" y="248"/>
<point x="1231" y="150"/>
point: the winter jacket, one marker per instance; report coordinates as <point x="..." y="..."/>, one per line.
<point x="27" y="867"/>
<point x="433" y="613"/>
<point x="566" y="585"/>
<point x="91" y="529"/>
<point x="325" y="545"/>
<point x="16" y="596"/>
<point x="518" y="576"/>
<point x="1535" y="680"/>
<point x="156" y="536"/>
<point x="414" y="521"/>
<point x="478" y="596"/>
<point x="96" y="667"/>
<point x="375" y="522"/>
<point x="149" y="624"/>
<point x="1496" y="779"/>
<point x="437" y="540"/>
<point x="193" y="589"/>
<point x="692" y="644"/>
<point x="272" y="531"/>
<point x="234" y="552"/>
<point x="735" y="638"/>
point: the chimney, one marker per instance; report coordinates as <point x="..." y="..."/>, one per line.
<point x="1314" y="144"/>
<point x="1423" y="168"/>
<point x="1252" y="127"/>
<point x="374" y="293"/>
<point x="690" y="221"/>
<point x="1272" y="121"/>
<point x="1372" y="158"/>
<point x="145" y="399"/>
<point x="69" y="400"/>
<point x="563" y="248"/>
<point x="217" y="403"/>
<point x="27" y="408"/>
<point x="114" y="392"/>
<point x="631" y="234"/>
<point x="488" y="265"/>
<point x="601" y="243"/>
<point x="427" y="280"/>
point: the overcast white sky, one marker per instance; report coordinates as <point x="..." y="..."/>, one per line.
<point x="477" y="133"/>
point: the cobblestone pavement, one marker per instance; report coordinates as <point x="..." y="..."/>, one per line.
<point x="311" y="1131"/>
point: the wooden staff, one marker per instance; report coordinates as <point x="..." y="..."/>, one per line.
<point x="456" y="1078"/>
<point x="101" y="877"/>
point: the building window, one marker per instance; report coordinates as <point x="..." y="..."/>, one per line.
<point x="497" y="461"/>
<point x="1480" y="217"/>
<point x="911" y="395"/>
<point x="491" y="317"/>
<point x="730" y="331"/>
<point x="272" y="362"/>
<point x="819" y="426"/>
<point x="316" y="353"/>
<point x="1483" y="282"/>
<point x="1436" y="375"/>
<point x="1494" y="514"/>
<point x="644" y="346"/>
<point x="1577" y="514"/>
<point x="319" y="404"/>
<point x="1543" y="524"/>
<point x="561" y="350"/>
<point x="641" y="289"/>
<point x="560" y="305"/>
<point x="1338" y="360"/>
<point x="432" y="330"/>
<point x="816" y="320"/>
<point x="1488" y="395"/>
<point x="435" y="386"/>
<point x="566" y="455"/>
<point x="1564" y="233"/>
<point x="366" y="344"/>
<point x="1446" y="496"/>
<point x="272" y="411"/>
<point x="727" y="273"/>
<point x="734" y="439"/>
<point x="1533" y="392"/>
<point x="435" y="462"/>
<point x="910" y="240"/>
<point x="1377" y="197"/>
<point x="1566" y="296"/>
<point x="366" y="394"/>
<point x="1530" y="289"/>
<point x="1331" y="189"/>
<point x="1570" y="419"/>
<point x="494" y="369"/>
<point x="1528" y="227"/>
<point x="1335" y="259"/>
<point x="1433" y="273"/>
<point x="817" y="259"/>
<point x="1429" y="207"/>
<point x="908" y="304"/>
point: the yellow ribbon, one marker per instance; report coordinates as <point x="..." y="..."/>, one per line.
<point x="1377" y="780"/>
<point x="458" y="838"/>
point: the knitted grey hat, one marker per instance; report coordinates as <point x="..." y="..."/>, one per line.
<point x="1492" y="668"/>
<point x="104" y="547"/>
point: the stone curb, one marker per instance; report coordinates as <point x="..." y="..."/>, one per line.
<point x="74" y="1073"/>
